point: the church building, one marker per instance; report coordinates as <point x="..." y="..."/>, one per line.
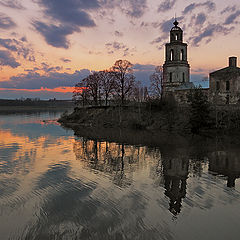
<point x="224" y="83"/>
<point x="176" y="69"/>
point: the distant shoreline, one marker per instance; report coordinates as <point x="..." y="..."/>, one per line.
<point x="32" y="109"/>
<point x="18" y="105"/>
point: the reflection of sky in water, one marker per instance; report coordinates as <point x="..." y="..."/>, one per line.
<point x="56" y="186"/>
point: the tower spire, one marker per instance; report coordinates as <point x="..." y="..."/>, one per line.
<point x="176" y="22"/>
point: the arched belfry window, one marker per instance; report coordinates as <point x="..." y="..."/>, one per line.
<point x="176" y="37"/>
<point x="183" y="76"/>
<point x="171" y="55"/>
<point x="182" y="55"/>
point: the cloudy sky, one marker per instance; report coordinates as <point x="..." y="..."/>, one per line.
<point x="47" y="46"/>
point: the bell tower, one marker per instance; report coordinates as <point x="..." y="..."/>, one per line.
<point x="176" y="70"/>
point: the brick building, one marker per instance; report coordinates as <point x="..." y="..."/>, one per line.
<point x="225" y="84"/>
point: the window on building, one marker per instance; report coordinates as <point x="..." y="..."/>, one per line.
<point x="227" y="99"/>
<point x="227" y="85"/>
<point x="217" y="86"/>
<point x="170" y="77"/>
<point x="183" y="77"/>
<point x="182" y="55"/>
<point x="172" y="55"/>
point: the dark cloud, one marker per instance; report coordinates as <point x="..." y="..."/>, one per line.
<point x="210" y="31"/>
<point x="6" y="59"/>
<point x="200" y="19"/>
<point x="228" y="9"/>
<point x="144" y="24"/>
<point x="70" y="11"/>
<point x="66" y="60"/>
<point x="208" y="4"/>
<point x="51" y="79"/>
<point x="18" y="46"/>
<point x="6" y="22"/>
<point x="142" y="67"/>
<point x="158" y="40"/>
<point x="132" y="8"/>
<point x="118" y="34"/>
<point x="55" y="36"/>
<point x="231" y="18"/>
<point x="167" y="25"/>
<point x="70" y="16"/>
<point x="116" y="46"/>
<point x="12" y="4"/>
<point x="23" y="39"/>
<point x="166" y="5"/>
<point x="135" y="8"/>
<point x="47" y="68"/>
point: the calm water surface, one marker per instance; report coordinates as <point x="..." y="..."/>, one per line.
<point x="54" y="185"/>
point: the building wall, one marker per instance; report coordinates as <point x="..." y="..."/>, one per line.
<point x="176" y="70"/>
<point x="219" y="93"/>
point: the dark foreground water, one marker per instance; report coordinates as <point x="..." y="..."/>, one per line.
<point x="54" y="185"/>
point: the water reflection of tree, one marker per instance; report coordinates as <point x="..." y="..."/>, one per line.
<point x="115" y="160"/>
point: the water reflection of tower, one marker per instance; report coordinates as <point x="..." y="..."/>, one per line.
<point x="226" y="164"/>
<point x="175" y="171"/>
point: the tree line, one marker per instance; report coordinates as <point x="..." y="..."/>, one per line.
<point x="116" y="84"/>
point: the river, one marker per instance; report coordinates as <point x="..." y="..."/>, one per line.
<point x="56" y="185"/>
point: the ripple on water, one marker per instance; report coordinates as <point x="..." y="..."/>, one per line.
<point x="55" y="187"/>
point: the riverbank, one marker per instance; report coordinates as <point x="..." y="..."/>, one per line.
<point x="223" y="120"/>
<point x="129" y="117"/>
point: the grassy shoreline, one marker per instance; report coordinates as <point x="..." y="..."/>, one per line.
<point x="161" y="119"/>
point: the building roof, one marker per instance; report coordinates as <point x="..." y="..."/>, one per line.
<point x="225" y="70"/>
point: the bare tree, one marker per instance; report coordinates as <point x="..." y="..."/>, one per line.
<point x="80" y="94"/>
<point x="93" y="85"/>
<point x="157" y="84"/>
<point x="108" y="84"/>
<point x="140" y="92"/>
<point x="123" y="73"/>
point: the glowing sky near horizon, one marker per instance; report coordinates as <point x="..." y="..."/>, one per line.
<point x="53" y="44"/>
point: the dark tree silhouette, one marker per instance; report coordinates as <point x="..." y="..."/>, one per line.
<point x="108" y="83"/>
<point x="199" y="111"/>
<point x="157" y="84"/>
<point x="93" y="84"/>
<point x="124" y="78"/>
<point x="81" y="94"/>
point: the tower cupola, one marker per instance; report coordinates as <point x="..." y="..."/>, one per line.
<point x="176" y="33"/>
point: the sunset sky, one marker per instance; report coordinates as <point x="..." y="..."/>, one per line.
<point x="47" y="46"/>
